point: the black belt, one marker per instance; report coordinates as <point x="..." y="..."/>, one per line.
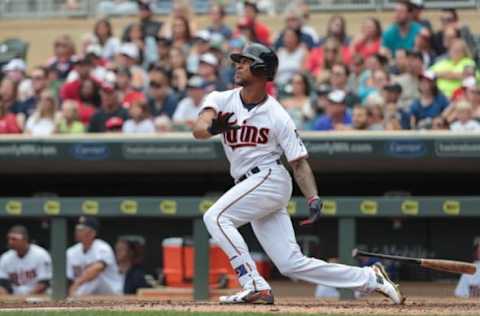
<point x="254" y="170"/>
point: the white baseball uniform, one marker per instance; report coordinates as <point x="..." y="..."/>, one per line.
<point x="108" y="281"/>
<point x="266" y="132"/>
<point x="469" y="285"/>
<point x="25" y="272"/>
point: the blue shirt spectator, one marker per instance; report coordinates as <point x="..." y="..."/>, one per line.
<point x="432" y="110"/>
<point x="335" y="112"/>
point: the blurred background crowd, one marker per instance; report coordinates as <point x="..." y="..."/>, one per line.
<point x="152" y="76"/>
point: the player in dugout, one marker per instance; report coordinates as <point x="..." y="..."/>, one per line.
<point x="25" y="269"/>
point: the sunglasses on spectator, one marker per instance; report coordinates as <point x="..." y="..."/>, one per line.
<point x="155" y="85"/>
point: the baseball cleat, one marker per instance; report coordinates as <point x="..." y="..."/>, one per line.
<point x="385" y="286"/>
<point x="249" y="297"/>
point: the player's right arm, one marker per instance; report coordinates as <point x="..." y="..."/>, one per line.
<point x="202" y="124"/>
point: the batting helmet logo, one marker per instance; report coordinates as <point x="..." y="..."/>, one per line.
<point x="265" y="61"/>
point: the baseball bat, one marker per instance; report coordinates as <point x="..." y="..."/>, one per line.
<point x="435" y="264"/>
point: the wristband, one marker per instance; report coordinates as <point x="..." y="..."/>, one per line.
<point x="312" y="198"/>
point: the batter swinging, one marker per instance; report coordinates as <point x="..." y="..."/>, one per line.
<point x="256" y="131"/>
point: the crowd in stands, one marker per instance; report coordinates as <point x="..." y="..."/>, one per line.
<point x="153" y="76"/>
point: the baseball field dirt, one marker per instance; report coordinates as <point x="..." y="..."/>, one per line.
<point x="292" y="298"/>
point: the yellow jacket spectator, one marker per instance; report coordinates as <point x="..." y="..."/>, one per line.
<point x="69" y="123"/>
<point x="449" y="70"/>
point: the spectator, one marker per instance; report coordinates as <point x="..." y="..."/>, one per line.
<point x="126" y="92"/>
<point x="360" y="118"/>
<point x="356" y="69"/>
<point x="469" y="285"/>
<point x="449" y="71"/>
<point x="395" y="114"/>
<point x="181" y="9"/>
<point x="163" y="52"/>
<point x="140" y="120"/>
<point x="464" y="121"/>
<point x="299" y="105"/>
<point x="375" y="86"/>
<point x="8" y="120"/>
<point x="110" y="108"/>
<point x="417" y="10"/>
<point x="160" y="97"/>
<point x="71" y="90"/>
<point x="402" y="33"/>
<point x="217" y="20"/>
<point x="294" y="21"/>
<point x="291" y="57"/>
<point x="8" y="93"/>
<point x="448" y="21"/>
<point x="410" y="80"/>
<point x="423" y="44"/>
<point x="336" y="115"/>
<point x="208" y="70"/>
<point x="42" y="121"/>
<point x="89" y="96"/>
<point x="320" y="60"/>
<point x="16" y="70"/>
<point x="473" y="96"/>
<point x="337" y="29"/>
<point x="339" y="81"/>
<point x="432" y="102"/>
<point x="189" y="107"/>
<point x="63" y="58"/>
<point x="91" y="265"/>
<point x="69" y="123"/>
<point x="201" y="46"/>
<point x="128" y="57"/>
<point x="129" y="265"/>
<point x="108" y="43"/>
<point x="400" y="64"/>
<point x="368" y="41"/>
<point x="375" y="114"/>
<point x="149" y="27"/>
<point x="39" y="84"/>
<point x="182" y="35"/>
<point x="262" y="31"/>
<point x="163" y="124"/>
<point x="146" y="44"/>
<point x="469" y="80"/>
<point x="25" y="269"/>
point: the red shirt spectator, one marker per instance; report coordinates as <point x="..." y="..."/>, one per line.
<point x="85" y="112"/>
<point x="9" y="125"/>
<point x="326" y="56"/>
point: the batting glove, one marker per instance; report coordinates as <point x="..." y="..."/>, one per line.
<point x="315" y="208"/>
<point x="221" y="124"/>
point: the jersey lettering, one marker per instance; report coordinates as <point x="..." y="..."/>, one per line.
<point x="246" y="136"/>
<point x="22" y="277"/>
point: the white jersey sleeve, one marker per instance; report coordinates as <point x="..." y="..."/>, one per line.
<point x="104" y="253"/>
<point x="70" y="263"/>
<point x="214" y="100"/>
<point x="289" y="139"/>
<point x="3" y="268"/>
<point x="45" y="266"/>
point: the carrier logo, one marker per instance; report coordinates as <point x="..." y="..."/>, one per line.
<point x="246" y="136"/>
<point x="90" y="151"/>
<point x="406" y="149"/>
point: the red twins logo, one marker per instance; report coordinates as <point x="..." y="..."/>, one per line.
<point x="246" y="136"/>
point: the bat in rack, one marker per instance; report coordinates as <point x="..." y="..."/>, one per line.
<point x="435" y="264"/>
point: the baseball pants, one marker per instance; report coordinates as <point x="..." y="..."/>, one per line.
<point x="96" y="286"/>
<point x="262" y="200"/>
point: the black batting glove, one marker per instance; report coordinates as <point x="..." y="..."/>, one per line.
<point x="315" y="208"/>
<point x="221" y="124"/>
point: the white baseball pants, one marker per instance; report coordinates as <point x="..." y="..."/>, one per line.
<point x="97" y="286"/>
<point x="262" y="200"/>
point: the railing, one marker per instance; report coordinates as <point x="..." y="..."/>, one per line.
<point x="90" y="8"/>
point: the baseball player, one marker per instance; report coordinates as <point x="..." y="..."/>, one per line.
<point x="26" y="268"/>
<point x="469" y="285"/>
<point x="91" y="264"/>
<point x="256" y="131"/>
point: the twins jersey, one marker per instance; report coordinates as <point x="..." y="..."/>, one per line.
<point x="25" y="272"/>
<point x="469" y="285"/>
<point x="78" y="260"/>
<point x="265" y="133"/>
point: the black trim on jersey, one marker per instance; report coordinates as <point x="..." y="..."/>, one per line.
<point x="6" y="285"/>
<point x="250" y="106"/>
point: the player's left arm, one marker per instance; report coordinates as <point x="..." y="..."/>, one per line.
<point x="90" y="273"/>
<point x="304" y="177"/>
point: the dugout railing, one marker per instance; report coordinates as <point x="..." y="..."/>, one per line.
<point x="347" y="210"/>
